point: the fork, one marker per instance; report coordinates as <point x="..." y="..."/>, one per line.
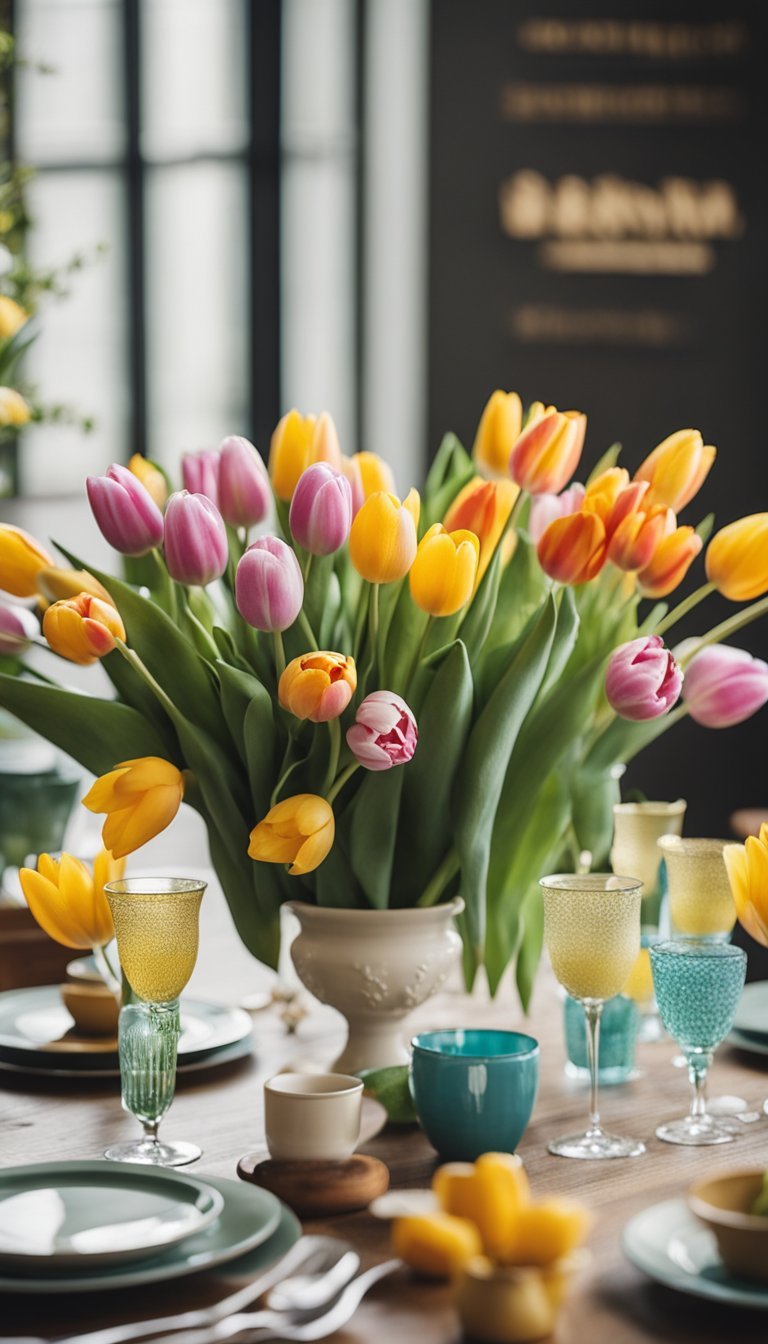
<point x="291" y="1325"/>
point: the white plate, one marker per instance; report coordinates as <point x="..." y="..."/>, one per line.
<point x="75" y="1215"/>
<point x="673" y="1247"/>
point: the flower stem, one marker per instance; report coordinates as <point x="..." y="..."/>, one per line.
<point x="682" y="608"/>
<point x="279" y="654"/>
<point x="307" y="628"/>
<point x="274" y="796"/>
<point x="334" y="733"/>
<point x="135" y="661"/>
<point x="339" y="783"/>
<point x="446" y="869"/>
<point x="308" y="567"/>
<point x="727" y="627"/>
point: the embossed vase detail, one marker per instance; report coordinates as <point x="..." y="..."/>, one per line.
<point x="375" y="967"/>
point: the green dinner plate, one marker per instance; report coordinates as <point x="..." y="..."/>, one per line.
<point x="36" y="1031"/>
<point x="211" y="1059"/>
<point x="670" y="1245"/>
<point x="752" y="1012"/>
<point x="743" y="1040"/>
<point x="74" y="1215"/>
<point x="253" y="1224"/>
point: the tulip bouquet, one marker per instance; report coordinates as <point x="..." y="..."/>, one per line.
<point x="376" y="702"/>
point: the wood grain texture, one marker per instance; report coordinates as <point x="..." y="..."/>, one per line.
<point x="319" y="1189"/>
<point x="613" y="1304"/>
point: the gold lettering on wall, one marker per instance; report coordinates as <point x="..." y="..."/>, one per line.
<point x="632" y="37"/>
<point x="552" y="324"/>
<point x="646" y="103"/>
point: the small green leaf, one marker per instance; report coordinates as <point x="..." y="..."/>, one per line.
<point x="390" y="1088"/>
<point x="609" y="459"/>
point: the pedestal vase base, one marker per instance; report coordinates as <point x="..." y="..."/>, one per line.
<point x="154" y="1153"/>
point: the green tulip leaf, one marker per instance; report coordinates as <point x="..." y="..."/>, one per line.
<point x="390" y="1088"/>
<point x="476" y="625"/>
<point x="609" y="459"/>
<point x="373" y="829"/>
<point x="531" y="944"/>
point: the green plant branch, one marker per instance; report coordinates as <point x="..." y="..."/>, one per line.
<point x="726" y="628"/>
<point x="446" y="869"/>
<point x="334" y="733"/>
<point x="277" y="640"/>
<point x="677" y="613"/>
<point x="306" y="626"/>
<point x="339" y="783"/>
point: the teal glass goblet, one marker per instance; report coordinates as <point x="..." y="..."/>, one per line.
<point x="698" y="986"/>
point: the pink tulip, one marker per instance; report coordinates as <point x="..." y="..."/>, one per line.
<point x="321" y="509"/>
<point x="244" y="490"/>
<point x="126" y="513"/>
<point x="642" y="680"/>
<point x="546" y="508"/>
<point x="18" y="628"/>
<point x="200" y="473"/>
<point x="269" y="589"/>
<point x="724" y="686"/>
<point x="384" y="732"/>
<point x="196" y="550"/>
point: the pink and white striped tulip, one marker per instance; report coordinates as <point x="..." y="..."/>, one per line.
<point x="642" y="680"/>
<point x="200" y="473"/>
<point x="384" y="732"/>
<point x="321" y="509"/>
<point x="245" y="493"/>
<point x="196" y="550"/>
<point x="18" y="627"/>
<point x="269" y="589"/>
<point x="724" y="686"/>
<point x="127" y="515"/>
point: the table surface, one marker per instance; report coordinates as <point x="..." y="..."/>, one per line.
<point x="45" y="1121"/>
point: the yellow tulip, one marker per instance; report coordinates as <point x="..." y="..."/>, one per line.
<point x="12" y="317"/>
<point x="382" y="539"/>
<point x="602" y="494"/>
<point x="676" y="469"/>
<point x="482" y="507"/>
<point x="442" y="576"/>
<point x="497" y="433"/>
<point x="298" y="831"/>
<point x="55" y="585"/>
<point x="298" y="442"/>
<point x="375" y="473"/>
<point x="68" y="901"/>
<point x="747" y="866"/>
<point x="82" y="629"/>
<point x="737" y="558"/>
<point x="141" y="797"/>
<point x="151" y="478"/>
<point x="21" y="560"/>
<point x="548" y="451"/>
<point x="670" y="562"/>
<point x="14" y="410"/>
<point x="318" y="686"/>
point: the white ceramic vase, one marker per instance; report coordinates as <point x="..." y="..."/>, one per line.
<point x="375" y="967"/>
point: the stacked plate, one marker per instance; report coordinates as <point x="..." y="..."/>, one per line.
<point x="672" y="1247"/>
<point x="73" y="1227"/>
<point x="750" y="1025"/>
<point x="38" y="1036"/>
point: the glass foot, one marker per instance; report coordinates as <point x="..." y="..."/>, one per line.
<point x="596" y="1144"/>
<point x="153" y="1152"/>
<point x="696" y="1130"/>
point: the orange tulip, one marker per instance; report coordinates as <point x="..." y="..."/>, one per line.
<point x="82" y="629"/>
<point x="482" y="507"/>
<point x="603" y="493"/>
<point x="318" y="686"/>
<point x="633" y="543"/>
<point x="140" y="797"/>
<point x="498" y="432"/>
<point x="548" y="451"/>
<point x="737" y="558"/>
<point x="677" y="468"/>
<point x="670" y="563"/>
<point x="572" y="549"/>
<point x="21" y="560"/>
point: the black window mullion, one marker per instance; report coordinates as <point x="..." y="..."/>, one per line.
<point x="263" y="46"/>
<point x="136" y="261"/>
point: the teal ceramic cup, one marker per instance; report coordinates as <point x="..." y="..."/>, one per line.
<point x="474" y="1089"/>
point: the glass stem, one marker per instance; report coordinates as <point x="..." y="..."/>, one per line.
<point x="593" y="1012"/>
<point x="698" y="1066"/>
<point x="150" y="1128"/>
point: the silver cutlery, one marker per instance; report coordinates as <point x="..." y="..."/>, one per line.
<point x="291" y="1325"/>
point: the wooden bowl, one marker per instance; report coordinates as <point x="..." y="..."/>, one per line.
<point x="722" y="1203"/>
<point x="93" y="1007"/>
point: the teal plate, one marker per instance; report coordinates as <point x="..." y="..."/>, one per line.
<point x="752" y="1012"/>
<point x="743" y="1040"/>
<point x="253" y="1226"/>
<point x="671" y="1246"/>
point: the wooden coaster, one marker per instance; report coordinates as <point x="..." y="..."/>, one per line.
<point x="314" y="1189"/>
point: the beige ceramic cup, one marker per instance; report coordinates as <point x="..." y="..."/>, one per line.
<point x="312" y="1117"/>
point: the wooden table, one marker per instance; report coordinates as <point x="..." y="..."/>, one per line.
<point x="614" y="1304"/>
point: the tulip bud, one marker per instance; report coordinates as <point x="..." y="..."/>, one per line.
<point x="140" y="797"/>
<point x="670" y="562"/>
<point x="14" y="410"/>
<point x="442" y="576"/>
<point x="82" y="629"/>
<point x="298" y="831"/>
<point x="546" y="508"/>
<point x="269" y="589"/>
<point x="642" y="680"/>
<point x="497" y="433"/>
<point x="724" y="686"/>
<point x="12" y="317"/>
<point x="603" y="493"/>
<point x="634" y="541"/>
<point x="318" y="686"/>
<point x="289" y="452"/>
<point x="677" y="469"/>
<point x="375" y="474"/>
<point x="382" y="539"/>
<point x="18" y="628"/>
<point x="737" y="558"/>
<point x="321" y="509"/>
<point x="151" y="478"/>
<point x="68" y="901"/>
<point x="200" y="473"/>
<point x="547" y="452"/>
<point x="384" y="732"/>
<point x="482" y="507"/>
<point x="196" y="550"/>
<point x="572" y="549"/>
<point x="56" y="584"/>
<point x="126" y="514"/>
<point x="244" y="490"/>
<point x="21" y="560"/>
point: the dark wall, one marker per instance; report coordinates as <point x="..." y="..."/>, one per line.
<point x="597" y="240"/>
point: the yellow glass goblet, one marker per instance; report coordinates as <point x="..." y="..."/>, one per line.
<point x="156" y="926"/>
<point x="592" y="934"/>
<point x="700" y="900"/>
